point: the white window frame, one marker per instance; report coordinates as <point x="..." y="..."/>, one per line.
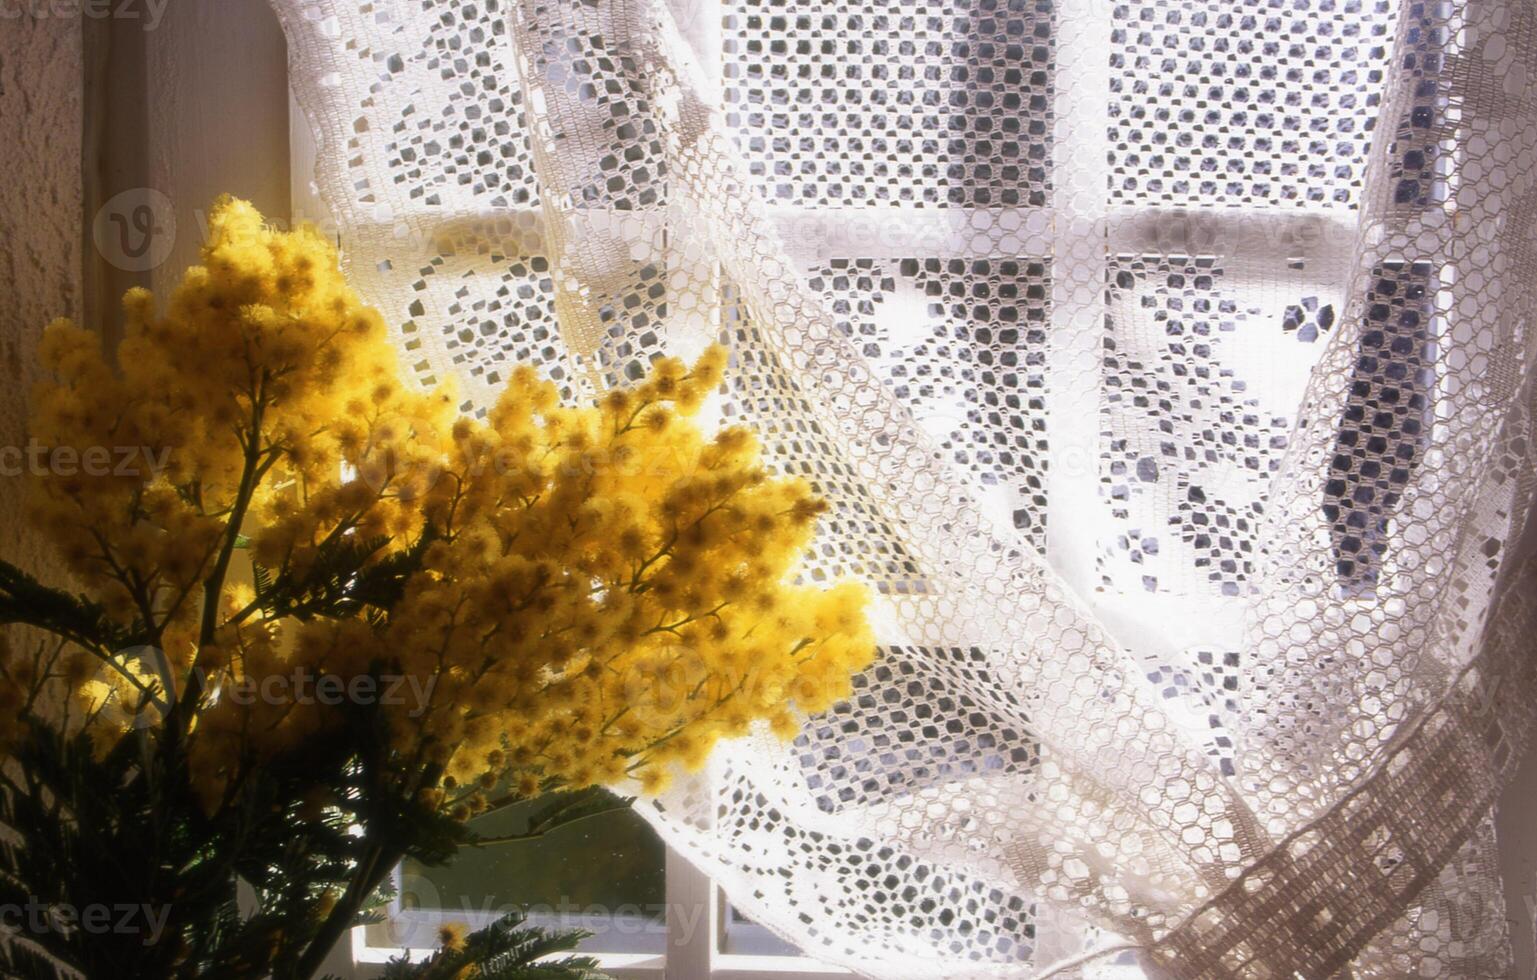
<point x="697" y="947"/>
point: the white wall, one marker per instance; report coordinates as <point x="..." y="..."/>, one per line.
<point x="218" y="115"/>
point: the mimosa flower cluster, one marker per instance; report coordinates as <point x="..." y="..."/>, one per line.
<point x="592" y="595"/>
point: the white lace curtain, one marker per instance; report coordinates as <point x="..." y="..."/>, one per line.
<point x="1168" y="364"/>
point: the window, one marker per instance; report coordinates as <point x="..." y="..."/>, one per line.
<point x="928" y="166"/>
<point x="1032" y="285"/>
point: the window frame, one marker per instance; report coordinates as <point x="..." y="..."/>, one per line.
<point x="888" y="232"/>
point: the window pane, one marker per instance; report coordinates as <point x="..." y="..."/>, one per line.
<point x="963" y="343"/>
<point x="1202" y="371"/>
<point x="882" y="102"/>
<point x="604" y="874"/>
<point x="1244" y="103"/>
<point x="1386" y="424"/>
<point x="745" y="936"/>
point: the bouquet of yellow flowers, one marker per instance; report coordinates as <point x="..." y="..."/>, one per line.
<point x="327" y="618"/>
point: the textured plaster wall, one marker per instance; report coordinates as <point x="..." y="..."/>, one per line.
<point x="40" y="223"/>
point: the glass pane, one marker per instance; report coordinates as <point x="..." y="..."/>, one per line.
<point x="604" y="874"/>
<point x="1244" y="103"/>
<point x="744" y="936"/>
<point x="1201" y="347"/>
<point x="880" y="102"/>
<point x="962" y="342"/>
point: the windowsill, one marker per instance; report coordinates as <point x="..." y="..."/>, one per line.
<point x="370" y="960"/>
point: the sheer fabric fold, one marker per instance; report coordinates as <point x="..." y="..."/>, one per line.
<point x="1168" y="366"/>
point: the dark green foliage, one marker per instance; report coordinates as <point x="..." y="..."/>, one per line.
<point x="507" y="949"/>
<point x="25" y="601"/>
<point x="343" y="582"/>
<point x="125" y="830"/>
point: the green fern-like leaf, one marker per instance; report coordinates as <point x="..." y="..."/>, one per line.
<point x="26" y="601"/>
<point x="507" y="949"/>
